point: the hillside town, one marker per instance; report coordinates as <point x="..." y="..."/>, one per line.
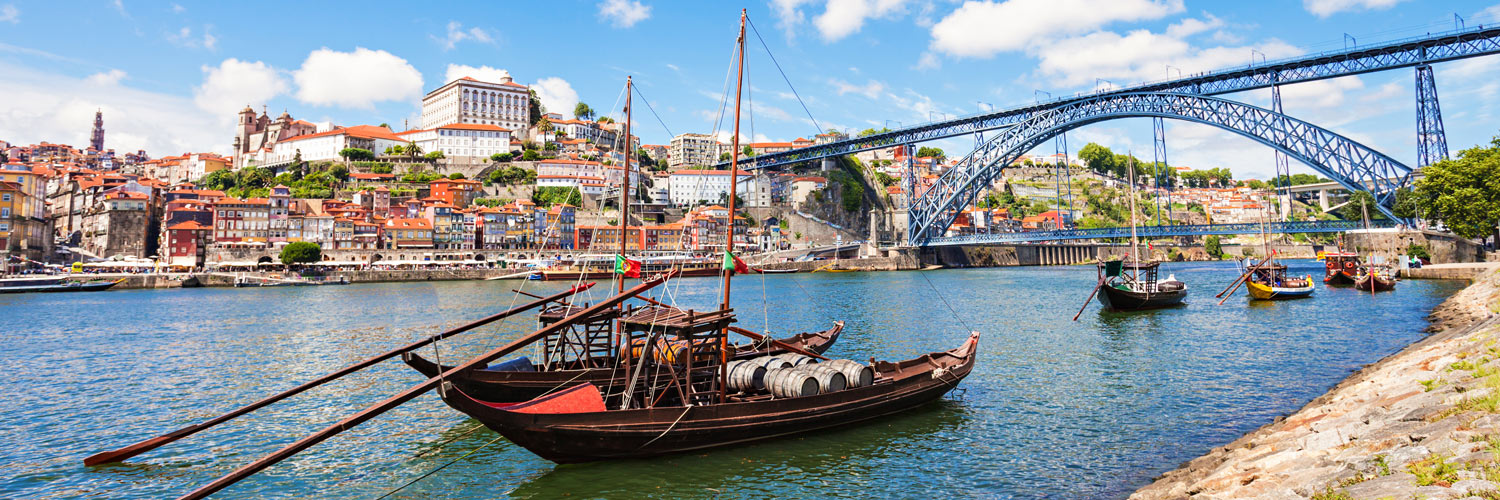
<point x="488" y="169"/>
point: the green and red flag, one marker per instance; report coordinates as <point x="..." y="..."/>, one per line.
<point x="627" y="267"/>
<point x="733" y="263"/>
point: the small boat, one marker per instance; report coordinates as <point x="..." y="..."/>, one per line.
<point x="775" y="271"/>
<point x="577" y="425"/>
<point x="1372" y="280"/>
<point x="1128" y="286"/>
<point x="520" y="379"/>
<point x="1340" y="268"/>
<point x="1270" y="282"/>
<point x="63" y="286"/>
<point x="31" y="281"/>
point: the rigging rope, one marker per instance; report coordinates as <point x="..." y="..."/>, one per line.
<point x="945" y="301"/>
<point x="441" y="467"/>
<point x="653" y="112"/>
<point x="783" y="75"/>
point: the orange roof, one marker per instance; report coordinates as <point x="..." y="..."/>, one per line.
<point x="360" y="131"/>
<point x="191" y="225"/>
<point x="409" y="223"/>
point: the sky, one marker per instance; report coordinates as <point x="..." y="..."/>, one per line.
<point x="170" y="76"/>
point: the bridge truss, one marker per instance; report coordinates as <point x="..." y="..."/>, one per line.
<point x="1150" y="232"/>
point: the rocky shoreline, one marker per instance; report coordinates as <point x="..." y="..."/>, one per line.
<point x="1421" y="423"/>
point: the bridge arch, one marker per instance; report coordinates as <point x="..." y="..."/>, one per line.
<point x="1351" y="164"/>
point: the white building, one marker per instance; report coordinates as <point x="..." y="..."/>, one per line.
<point x="689" y="187"/>
<point x="506" y="104"/>
<point x="694" y="150"/>
<point x="588" y="185"/>
<point x="461" y="140"/>
<point x="325" y="146"/>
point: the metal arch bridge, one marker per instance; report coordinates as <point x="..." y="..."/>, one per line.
<point x="1145" y="232"/>
<point x="1351" y="164"/>
<point x="1419" y="52"/>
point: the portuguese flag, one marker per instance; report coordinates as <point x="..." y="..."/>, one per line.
<point x="627" y="267"/>
<point x="733" y="263"/>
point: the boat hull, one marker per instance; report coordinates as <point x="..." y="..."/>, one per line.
<point x="1375" y="283"/>
<point x="63" y="287"/>
<point x="511" y="386"/>
<point x="1116" y="299"/>
<point x="1340" y="278"/>
<point x="1261" y="291"/>
<point x="622" y="434"/>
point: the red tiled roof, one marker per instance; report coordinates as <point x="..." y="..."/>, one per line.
<point x="191" y="225"/>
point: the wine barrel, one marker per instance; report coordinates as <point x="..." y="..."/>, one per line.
<point x="829" y="379"/>
<point x="855" y="373"/>
<point x="797" y="359"/>
<point x="771" y="362"/>
<point x="791" y="383"/>
<point x="746" y="376"/>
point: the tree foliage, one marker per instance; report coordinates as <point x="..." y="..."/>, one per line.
<point x="435" y="155"/>
<point x="512" y="176"/>
<point x="1212" y="246"/>
<point x="501" y="157"/>
<point x="583" y="112"/>
<point x="1464" y="192"/>
<point x="871" y="131"/>
<point x="301" y="252"/>
<point x="356" y="154"/>
<point x="926" y="152"/>
<point x="546" y="196"/>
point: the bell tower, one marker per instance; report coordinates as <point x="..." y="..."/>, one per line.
<point x="96" y="140"/>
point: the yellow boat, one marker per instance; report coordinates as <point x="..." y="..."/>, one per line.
<point x="1271" y="283"/>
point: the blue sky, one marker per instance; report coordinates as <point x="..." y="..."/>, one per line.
<point x="170" y="75"/>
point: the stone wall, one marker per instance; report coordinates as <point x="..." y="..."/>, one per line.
<point x="1388" y="243"/>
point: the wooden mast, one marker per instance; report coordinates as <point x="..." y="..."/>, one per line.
<point x="734" y="171"/>
<point x="625" y="184"/>
<point x="1134" y="243"/>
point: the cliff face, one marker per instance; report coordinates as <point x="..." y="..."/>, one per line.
<point x="1422" y="423"/>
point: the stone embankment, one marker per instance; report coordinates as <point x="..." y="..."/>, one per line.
<point x="1421" y="423"/>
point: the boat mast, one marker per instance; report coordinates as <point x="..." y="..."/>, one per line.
<point x="1134" y="242"/>
<point x="734" y="170"/>
<point x="625" y="184"/>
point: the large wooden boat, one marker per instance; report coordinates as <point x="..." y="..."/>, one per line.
<point x="60" y="285"/>
<point x="520" y="379"/>
<point x="697" y="269"/>
<point x="1270" y="282"/>
<point x="1340" y="268"/>
<point x="576" y="424"/>
<point x="1372" y="280"/>
<point x="1128" y="286"/>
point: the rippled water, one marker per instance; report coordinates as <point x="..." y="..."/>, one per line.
<point x="1054" y="408"/>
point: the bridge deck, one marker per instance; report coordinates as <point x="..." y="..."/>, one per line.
<point x="1147" y="232"/>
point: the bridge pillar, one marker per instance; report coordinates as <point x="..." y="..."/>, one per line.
<point x="1432" y="143"/>
<point x="1323" y="199"/>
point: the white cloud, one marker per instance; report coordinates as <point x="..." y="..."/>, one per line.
<point x="178" y="8"/>
<point x="673" y="67"/>
<point x="45" y="106"/>
<point x="871" y="89"/>
<point x="985" y="28"/>
<point x="457" y="33"/>
<point x="623" y="13"/>
<point x="928" y="61"/>
<point x="120" y="6"/>
<point x="1141" y="55"/>
<point x="788" y="15"/>
<point x="10" y="14"/>
<point x="481" y="73"/>
<point x="1325" y="8"/>
<point x="356" y="79"/>
<point x="111" y="77"/>
<point x="184" y="38"/>
<point x="234" y="84"/>
<point x="556" y="95"/>
<point x="842" y="18"/>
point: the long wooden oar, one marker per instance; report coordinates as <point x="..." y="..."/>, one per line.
<point x="1090" y="299"/>
<point x="761" y="338"/>
<point x="1248" y="272"/>
<point x="419" y="389"/>
<point x="153" y="443"/>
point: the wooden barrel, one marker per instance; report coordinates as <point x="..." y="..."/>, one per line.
<point x="829" y="379"/>
<point x="797" y="359"/>
<point x="790" y="383"/>
<point x="771" y="362"/>
<point x="746" y="376"/>
<point x="855" y="373"/>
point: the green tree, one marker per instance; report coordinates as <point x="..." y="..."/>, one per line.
<point x="456" y="175"/>
<point x="412" y="150"/>
<point x="356" y="154"/>
<point x="1211" y="245"/>
<point x="546" y="196"/>
<point x="748" y="151"/>
<point x="1098" y="158"/>
<point x="1360" y="202"/>
<point x="1464" y="192"/>
<point x="870" y="131"/>
<point x="724" y="156"/>
<point x="926" y="152"/>
<point x="381" y="169"/>
<point x="301" y="252"/>
<point x="434" y="156"/>
<point x="544" y="126"/>
<point x="583" y="112"/>
<point x="531" y="155"/>
<point x="500" y="157"/>
<point x="536" y="108"/>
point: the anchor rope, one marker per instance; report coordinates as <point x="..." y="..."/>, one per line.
<point x="441" y="467"/>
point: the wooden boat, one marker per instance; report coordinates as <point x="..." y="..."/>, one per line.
<point x="521" y="380"/>
<point x="1270" y="282"/>
<point x="63" y="286"/>
<point x="1375" y="281"/>
<point x="575" y="425"/>
<point x="1128" y="286"/>
<point x="1340" y="268"/>
<point x="690" y="270"/>
<point x="775" y="271"/>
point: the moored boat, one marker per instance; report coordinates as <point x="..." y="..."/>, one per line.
<point x="1270" y="282"/>
<point x="61" y="285"/>
<point x="1374" y="281"/>
<point x="1340" y="268"/>
<point x="576" y="424"/>
<point x="1128" y="286"/>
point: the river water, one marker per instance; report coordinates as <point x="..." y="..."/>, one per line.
<point x="1055" y="408"/>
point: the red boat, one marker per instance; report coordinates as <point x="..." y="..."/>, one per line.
<point x="1340" y="268"/>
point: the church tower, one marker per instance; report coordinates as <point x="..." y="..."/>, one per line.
<point x="96" y="140"/>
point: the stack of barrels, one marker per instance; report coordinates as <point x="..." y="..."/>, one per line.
<point x="796" y="375"/>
